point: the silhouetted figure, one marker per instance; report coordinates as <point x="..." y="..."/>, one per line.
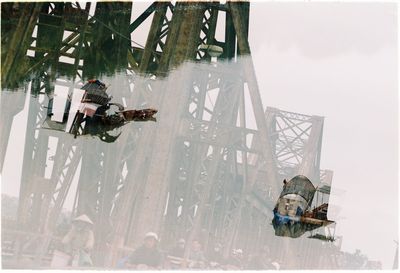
<point x="179" y="249"/>
<point x="236" y="260"/>
<point x="215" y="255"/>
<point x="79" y="241"/>
<point x="196" y="256"/>
<point x="147" y="256"/>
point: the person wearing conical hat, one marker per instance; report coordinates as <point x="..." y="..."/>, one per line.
<point x="79" y="241"/>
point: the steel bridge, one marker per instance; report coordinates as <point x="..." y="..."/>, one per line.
<point x="199" y="172"/>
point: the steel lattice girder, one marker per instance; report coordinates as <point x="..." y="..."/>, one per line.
<point x="296" y="139"/>
<point x="45" y="82"/>
<point x="123" y="195"/>
<point x="174" y="20"/>
<point x="41" y="198"/>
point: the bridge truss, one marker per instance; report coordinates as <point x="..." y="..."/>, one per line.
<point x="200" y="172"/>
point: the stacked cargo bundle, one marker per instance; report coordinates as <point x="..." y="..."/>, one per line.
<point x="95" y="92"/>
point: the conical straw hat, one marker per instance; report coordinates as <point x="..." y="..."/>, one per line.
<point x="84" y="218"/>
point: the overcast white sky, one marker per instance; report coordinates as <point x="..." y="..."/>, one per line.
<point x="337" y="60"/>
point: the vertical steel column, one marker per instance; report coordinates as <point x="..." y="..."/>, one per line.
<point x="183" y="37"/>
<point x="19" y="43"/>
<point x="156" y="37"/>
<point x="239" y="22"/>
<point x="18" y="39"/>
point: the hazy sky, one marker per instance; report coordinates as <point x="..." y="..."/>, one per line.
<point x="337" y="60"/>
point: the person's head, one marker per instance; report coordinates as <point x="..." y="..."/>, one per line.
<point x="217" y="247"/>
<point x="196" y="245"/>
<point x="237" y="253"/>
<point x="150" y="240"/>
<point x="181" y="243"/>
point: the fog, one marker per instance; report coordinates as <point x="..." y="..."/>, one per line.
<point x="334" y="60"/>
